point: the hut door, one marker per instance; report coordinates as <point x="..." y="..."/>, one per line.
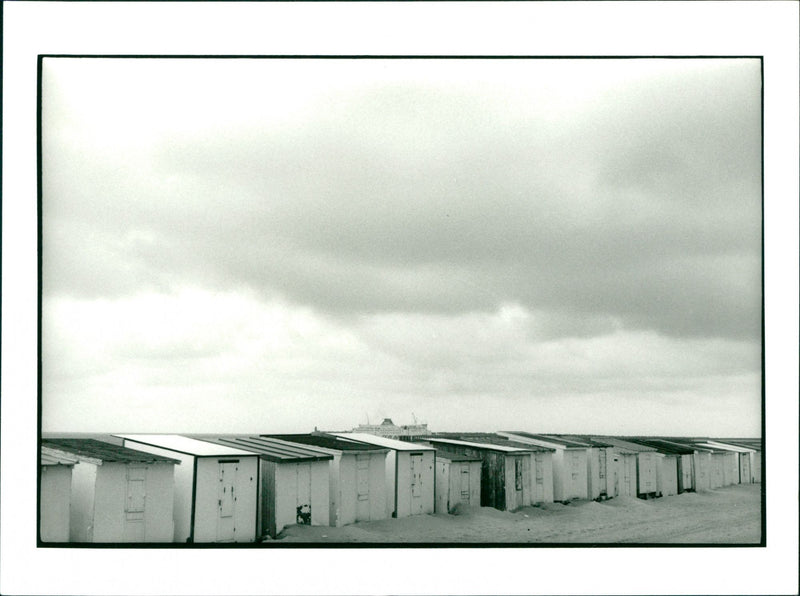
<point x="465" y="494"/>
<point x="416" y="483"/>
<point x="134" y="504"/>
<point x="538" y="463"/>
<point x="226" y="502"/>
<point x="304" y="494"/>
<point x="602" y="465"/>
<point x="627" y="481"/>
<point x="362" y="484"/>
<point x="744" y="463"/>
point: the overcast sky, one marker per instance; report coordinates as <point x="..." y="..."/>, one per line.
<point x="273" y="245"/>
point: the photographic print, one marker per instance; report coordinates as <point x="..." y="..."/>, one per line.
<point x="401" y="301"/>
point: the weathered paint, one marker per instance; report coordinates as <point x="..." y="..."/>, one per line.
<point x="518" y="481"/>
<point x="745" y="468"/>
<point x="101" y="494"/>
<point x="542" y="477"/>
<point x="701" y="461"/>
<point x="351" y="500"/>
<point x="717" y="474"/>
<point x="627" y="481"/>
<point x="668" y="475"/>
<point x="599" y="474"/>
<point x="457" y="483"/>
<point x="293" y="493"/>
<point x="686" y="474"/>
<point x="199" y="498"/>
<point x="413" y="483"/>
<point x="212" y="521"/>
<point x="55" y="503"/>
<point x="647" y="472"/>
<point x="757" y="466"/>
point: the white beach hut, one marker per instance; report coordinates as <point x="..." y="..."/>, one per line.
<point x="55" y="495"/>
<point x="216" y="487"/>
<point x="118" y="494"/>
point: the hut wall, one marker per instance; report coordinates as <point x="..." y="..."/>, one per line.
<point x="114" y="523"/>
<point x="542" y="477"/>
<point x="647" y="472"/>
<point x="757" y="466"/>
<point x="235" y="519"/>
<point x="668" y="475"/>
<point x="294" y="485"/>
<point x="456" y="483"/>
<point x="182" y="493"/>
<point x="558" y="476"/>
<point x="55" y="503"/>
<point x="414" y="491"/>
<point x="702" y="470"/>
<point x="518" y="481"/>
<point x="745" y="468"/>
<point x="362" y="488"/>
<point x="82" y="510"/>
<point x="716" y="476"/>
<point x="391" y="466"/>
<point x="627" y="475"/>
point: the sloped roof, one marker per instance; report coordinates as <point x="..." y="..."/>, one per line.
<point x="271" y="449"/>
<point x="98" y="452"/>
<point x="568" y="443"/>
<point x="327" y="441"/>
<point x="186" y="445"/>
<point x="456" y="456"/>
<point x="384" y="442"/>
<point x="50" y="457"/>
<point x="486" y="446"/>
<point x="663" y="446"/>
<point x="622" y="445"/>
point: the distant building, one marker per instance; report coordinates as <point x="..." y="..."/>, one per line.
<point x="390" y="430"/>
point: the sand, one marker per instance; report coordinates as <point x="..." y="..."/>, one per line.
<point x="730" y="515"/>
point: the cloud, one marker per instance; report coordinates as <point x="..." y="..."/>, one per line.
<point x="639" y="202"/>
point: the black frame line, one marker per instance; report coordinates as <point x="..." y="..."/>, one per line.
<point x="357" y="545"/>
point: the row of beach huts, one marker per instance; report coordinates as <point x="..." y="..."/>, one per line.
<point x="248" y="488"/>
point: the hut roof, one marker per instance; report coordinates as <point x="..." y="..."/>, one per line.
<point x="663" y="446"/>
<point x="270" y="449"/>
<point x="327" y="441"/>
<point x="186" y="445"/>
<point x="51" y="457"/>
<point x="384" y="442"/>
<point x="99" y="452"/>
<point x="486" y="446"/>
<point x="568" y="443"/>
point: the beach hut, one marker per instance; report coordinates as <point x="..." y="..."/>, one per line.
<point x="506" y="482"/>
<point x="745" y="457"/>
<point x="118" y="494"/>
<point x="647" y="463"/>
<point x="357" y="488"/>
<point x="570" y="462"/>
<point x="755" y="456"/>
<point x="678" y="463"/>
<point x="458" y="481"/>
<point x="410" y="472"/>
<point x="54" y="496"/>
<point x="600" y="467"/>
<point x="216" y="487"/>
<point x="294" y="482"/>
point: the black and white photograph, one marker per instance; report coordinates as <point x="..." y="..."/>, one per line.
<point x="319" y="304"/>
<point x="549" y="266"/>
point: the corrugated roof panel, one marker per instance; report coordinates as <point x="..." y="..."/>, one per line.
<point x="384" y="442"/>
<point x="104" y="452"/>
<point x="487" y="446"/>
<point x="326" y="441"/>
<point x="49" y="457"/>
<point x="663" y="446"/>
<point x="554" y="439"/>
<point x="455" y="457"/>
<point x="272" y="449"/>
<point x="187" y="445"/>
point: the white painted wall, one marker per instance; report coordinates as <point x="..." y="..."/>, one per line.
<point x="55" y="503"/>
<point x="207" y="499"/>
